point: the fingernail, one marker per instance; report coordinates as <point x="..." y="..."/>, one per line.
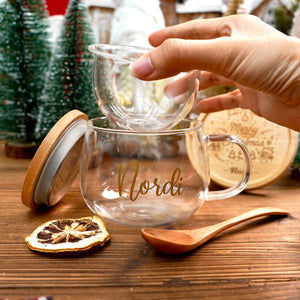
<point x="142" y="67"/>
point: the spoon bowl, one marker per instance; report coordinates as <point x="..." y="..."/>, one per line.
<point x="181" y="241"/>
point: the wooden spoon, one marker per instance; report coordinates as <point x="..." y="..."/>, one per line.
<point x="181" y="241"/>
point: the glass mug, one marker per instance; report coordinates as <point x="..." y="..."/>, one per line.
<point x="141" y="178"/>
<point x="135" y="104"/>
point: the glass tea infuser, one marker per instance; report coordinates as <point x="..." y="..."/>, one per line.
<point x="135" y="104"/>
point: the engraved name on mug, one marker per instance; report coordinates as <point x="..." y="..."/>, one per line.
<point x="174" y="186"/>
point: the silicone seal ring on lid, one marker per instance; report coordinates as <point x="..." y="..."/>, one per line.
<point x="55" y="165"/>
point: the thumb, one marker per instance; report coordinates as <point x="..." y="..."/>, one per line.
<point x="220" y="56"/>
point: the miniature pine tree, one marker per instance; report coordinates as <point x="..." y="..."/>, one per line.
<point x="295" y="167"/>
<point x="69" y="81"/>
<point x="25" y="52"/>
<point x="284" y="16"/>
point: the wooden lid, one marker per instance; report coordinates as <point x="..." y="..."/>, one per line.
<point x="55" y="165"/>
<point x="271" y="146"/>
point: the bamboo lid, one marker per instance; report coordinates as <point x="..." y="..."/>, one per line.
<point x="271" y="146"/>
<point x="55" y="165"/>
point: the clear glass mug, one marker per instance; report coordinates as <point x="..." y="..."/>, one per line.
<point x="142" y="178"/>
<point x="135" y="104"/>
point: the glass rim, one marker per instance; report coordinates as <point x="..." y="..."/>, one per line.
<point x="197" y="125"/>
<point x="99" y="49"/>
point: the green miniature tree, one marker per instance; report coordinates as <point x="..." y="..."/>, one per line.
<point x="284" y="16"/>
<point x="69" y="81"/>
<point x="25" y="52"/>
<point x="295" y="167"/>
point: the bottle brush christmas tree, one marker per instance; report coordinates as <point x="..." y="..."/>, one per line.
<point x="284" y="15"/>
<point x="25" y="52"/>
<point x="69" y="81"/>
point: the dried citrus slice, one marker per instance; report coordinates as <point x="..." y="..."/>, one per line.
<point x="68" y="235"/>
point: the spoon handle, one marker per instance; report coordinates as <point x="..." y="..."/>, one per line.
<point x="255" y="213"/>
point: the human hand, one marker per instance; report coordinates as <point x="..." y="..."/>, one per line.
<point x="238" y="50"/>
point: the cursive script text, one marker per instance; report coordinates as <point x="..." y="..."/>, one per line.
<point x="173" y="186"/>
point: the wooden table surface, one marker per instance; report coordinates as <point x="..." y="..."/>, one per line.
<point x="256" y="260"/>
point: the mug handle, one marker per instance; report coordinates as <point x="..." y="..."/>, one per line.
<point x="240" y="186"/>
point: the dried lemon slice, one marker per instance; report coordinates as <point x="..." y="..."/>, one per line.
<point x="68" y="235"/>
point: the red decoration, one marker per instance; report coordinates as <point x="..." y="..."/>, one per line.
<point x="57" y="7"/>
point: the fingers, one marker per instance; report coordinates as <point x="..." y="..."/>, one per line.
<point x="209" y="79"/>
<point x="235" y="26"/>
<point x="221" y="102"/>
<point x="183" y="84"/>
<point x="196" y="29"/>
<point x="221" y="56"/>
<point x="257" y="63"/>
<point x="186" y="83"/>
<point x="271" y="109"/>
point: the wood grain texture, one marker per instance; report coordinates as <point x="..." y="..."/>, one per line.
<point x="256" y="260"/>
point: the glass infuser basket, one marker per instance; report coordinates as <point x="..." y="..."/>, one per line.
<point x="135" y="104"/>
